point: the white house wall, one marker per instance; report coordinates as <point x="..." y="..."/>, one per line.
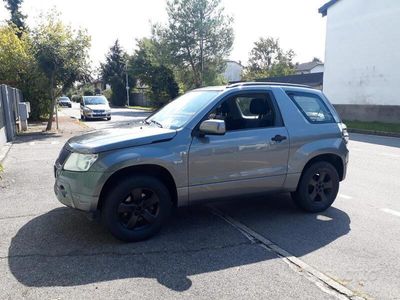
<point x="362" y="59"/>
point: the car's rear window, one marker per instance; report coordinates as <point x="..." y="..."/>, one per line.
<point x="312" y="107"/>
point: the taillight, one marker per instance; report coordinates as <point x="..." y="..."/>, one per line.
<point x="345" y="133"/>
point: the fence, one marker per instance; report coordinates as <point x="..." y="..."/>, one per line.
<point x="9" y="120"/>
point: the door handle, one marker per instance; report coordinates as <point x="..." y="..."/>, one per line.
<point x="278" y="138"/>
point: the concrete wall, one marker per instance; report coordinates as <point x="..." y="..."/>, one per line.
<point x="362" y="59"/>
<point x="371" y="113"/>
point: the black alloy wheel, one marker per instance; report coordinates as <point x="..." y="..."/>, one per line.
<point x="318" y="187"/>
<point x="139" y="209"/>
<point x="135" y="208"/>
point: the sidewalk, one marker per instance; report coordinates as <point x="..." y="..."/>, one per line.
<point x="68" y="127"/>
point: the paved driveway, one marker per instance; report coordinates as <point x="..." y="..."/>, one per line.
<point x="245" y="248"/>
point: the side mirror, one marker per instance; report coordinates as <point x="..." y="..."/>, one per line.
<point x="213" y="127"/>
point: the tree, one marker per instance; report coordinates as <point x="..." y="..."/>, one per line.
<point x="113" y="72"/>
<point x="268" y="59"/>
<point x="19" y="68"/>
<point x="14" y="55"/>
<point x="17" y="18"/>
<point x="147" y="66"/>
<point x="62" y="55"/>
<point x="199" y="36"/>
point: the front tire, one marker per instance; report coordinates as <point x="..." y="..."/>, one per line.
<point x="109" y="118"/>
<point x="136" y="208"/>
<point x="318" y="187"/>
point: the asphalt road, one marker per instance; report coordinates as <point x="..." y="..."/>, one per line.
<point x="119" y="117"/>
<point x="259" y="248"/>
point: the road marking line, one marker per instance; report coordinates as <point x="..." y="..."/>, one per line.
<point x="322" y="281"/>
<point x="31" y="143"/>
<point x="55" y="142"/>
<point x="391" y="211"/>
<point x="345" y="196"/>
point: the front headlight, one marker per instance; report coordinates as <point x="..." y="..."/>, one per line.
<point x="80" y="162"/>
<point x="87" y="109"/>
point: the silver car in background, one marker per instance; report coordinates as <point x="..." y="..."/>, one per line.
<point x="95" y="107"/>
<point x="210" y="143"/>
<point x="64" y="101"/>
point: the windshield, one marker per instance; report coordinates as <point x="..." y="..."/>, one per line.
<point x="64" y="99"/>
<point x="177" y="113"/>
<point x="95" y="100"/>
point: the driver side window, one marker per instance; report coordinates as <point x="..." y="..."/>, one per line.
<point x="246" y="111"/>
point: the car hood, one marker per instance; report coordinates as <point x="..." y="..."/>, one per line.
<point x="111" y="139"/>
<point x="98" y="106"/>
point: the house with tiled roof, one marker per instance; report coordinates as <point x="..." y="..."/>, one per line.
<point x="314" y="66"/>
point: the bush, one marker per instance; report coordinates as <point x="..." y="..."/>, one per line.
<point x="107" y="94"/>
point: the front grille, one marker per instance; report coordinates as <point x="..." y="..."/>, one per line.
<point x="62" y="157"/>
<point x="99" y="111"/>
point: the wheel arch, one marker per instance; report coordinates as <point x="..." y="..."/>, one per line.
<point x="334" y="159"/>
<point x="156" y="171"/>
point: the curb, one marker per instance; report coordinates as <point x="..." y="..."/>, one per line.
<point x="4" y="151"/>
<point x="373" y="132"/>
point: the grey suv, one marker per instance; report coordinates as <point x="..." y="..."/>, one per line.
<point x="215" y="142"/>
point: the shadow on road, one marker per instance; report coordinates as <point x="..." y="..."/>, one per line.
<point x="63" y="248"/>
<point x="35" y="136"/>
<point x="277" y="218"/>
<point x="374" y="139"/>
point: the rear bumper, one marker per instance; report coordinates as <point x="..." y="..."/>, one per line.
<point x="345" y="163"/>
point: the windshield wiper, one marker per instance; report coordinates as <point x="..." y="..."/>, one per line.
<point x="157" y="123"/>
<point x="152" y="122"/>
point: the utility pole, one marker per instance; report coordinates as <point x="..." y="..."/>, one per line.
<point x="201" y="47"/>
<point x="127" y="83"/>
<point x="56" y="116"/>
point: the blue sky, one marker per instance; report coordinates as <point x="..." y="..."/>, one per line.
<point x="295" y="22"/>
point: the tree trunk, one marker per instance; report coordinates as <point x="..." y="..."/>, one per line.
<point x="53" y="104"/>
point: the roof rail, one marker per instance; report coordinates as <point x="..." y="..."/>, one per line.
<point x="262" y="83"/>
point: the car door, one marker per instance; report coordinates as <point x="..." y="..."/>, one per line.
<point x="251" y="157"/>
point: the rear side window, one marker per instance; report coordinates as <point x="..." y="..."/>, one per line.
<point x="312" y="107"/>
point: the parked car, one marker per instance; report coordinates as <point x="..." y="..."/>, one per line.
<point x="95" y="107"/>
<point x="216" y="142"/>
<point x="64" y="101"/>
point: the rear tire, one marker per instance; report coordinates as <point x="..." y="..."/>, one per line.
<point x="318" y="188"/>
<point x="136" y="208"/>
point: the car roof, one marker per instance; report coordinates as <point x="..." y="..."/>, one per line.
<point x="261" y="83"/>
<point x="256" y="84"/>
